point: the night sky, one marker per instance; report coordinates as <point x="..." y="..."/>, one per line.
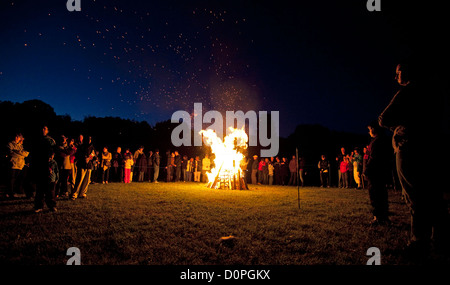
<point x="316" y="62"/>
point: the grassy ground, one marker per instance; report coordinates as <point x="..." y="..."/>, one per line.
<point x="182" y="224"/>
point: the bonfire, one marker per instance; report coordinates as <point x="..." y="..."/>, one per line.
<point x="228" y="159"/>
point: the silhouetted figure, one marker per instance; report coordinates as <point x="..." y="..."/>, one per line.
<point x="44" y="150"/>
<point x="413" y="116"/>
<point x="377" y="172"/>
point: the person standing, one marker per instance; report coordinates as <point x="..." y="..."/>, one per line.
<point x="17" y="157"/>
<point x="293" y="171"/>
<point x="85" y="156"/>
<point x="357" y="161"/>
<point x="339" y="159"/>
<point x="170" y="166"/>
<point x="344" y="170"/>
<point x="177" y="167"/>
<point x="136" y="168"/>
<point x="189" y="169"/>
<point x="277" y="171"/>
<point x="284" y="171"/>
<point x="128" y="164"/>
<point x="413" y="115"/>
<point x="65" y="152"/>
<point x="206" y="167"/>
<point x="301" y="171"/>
<point x="261" y="165"/>
<point x="117" y="165"/>
<point x="197" y="169"/>
<point x="141" y="163"/>
<point x="255" y="169"/>
<point x="44" y="150"/>
<point x="377" y="172"/>
<point x="156" y="164"/>
<point x="73" y="171"/>
<point x="270" y="169"/>
<point x="324" y="169"/>
<point x="365" y="158"/>
<point x="184" y="165"/>
<point x="150" y="169"/>
<point x="106" y="165"/>
<point x="48" y="195"/>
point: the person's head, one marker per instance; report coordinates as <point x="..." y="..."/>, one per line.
<point x="105" y="149"/>
<point x="156" y="150"/>
<point x="266" y="159"/>
<point x="323" y="157"/>
<point x="71" y="142"/>
<point x="45" y="130"/>
<point x="277" y="158"/>
<point x="342" y="150"/>
<point x="119" y="149"/>
<point x="356" y="150"/>
<point x="404" y="73"/>
<point x="80" y="138"/>
<point x="176" y="153"/>
<point x="345" y="158"/>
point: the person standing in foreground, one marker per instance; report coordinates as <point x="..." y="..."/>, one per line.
<point x="377" y="172"/>
<point x="45" y="148"/>
<point x="413" y="116"/>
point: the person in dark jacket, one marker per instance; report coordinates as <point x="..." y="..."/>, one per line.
<point x="301" y="171"/>
<point x="117" y="165"/>
<point x="156" y="163"/>
<point x="324" y="169"/>
<point x="254" y="174"/>
<point x="141" y="163"/>
<point x="284" y="171"/>
<point x="413" y="116"/>
<point x="150" y="169"/>
<point x="177" y="167"/>
<point x="46" y="147"/>
<point x="377" y="172"/>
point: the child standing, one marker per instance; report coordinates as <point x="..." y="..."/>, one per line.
<point x="128" y="164"/>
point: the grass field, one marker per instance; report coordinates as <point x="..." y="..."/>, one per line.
<point x="183" y="223"/>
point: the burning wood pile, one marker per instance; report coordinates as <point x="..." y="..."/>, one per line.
<point x="228" y="159"/>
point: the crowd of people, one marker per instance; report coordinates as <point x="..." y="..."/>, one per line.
<point x="65" y="168"/>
